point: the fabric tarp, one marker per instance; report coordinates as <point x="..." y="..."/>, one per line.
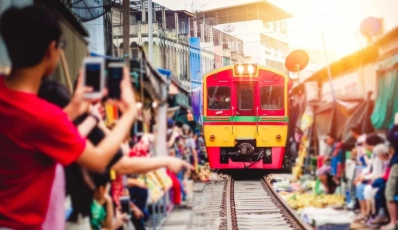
<point x="387" y="93"/>
<point x="338" y="118"/>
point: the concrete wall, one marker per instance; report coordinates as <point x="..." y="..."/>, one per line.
<point x="352" y="84"/>
<point x="249" y="32"/>
<point x="393" y="44"/>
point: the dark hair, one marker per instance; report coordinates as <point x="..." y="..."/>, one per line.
<point x="54" y="92"/>
<point x="100" y="179"/>
<point x="27" y="33"/>
<point x="179" y="124"/>
<point x="331" y="136"/>
<point x="356" y="129"/>
<point x="374" y="139"/>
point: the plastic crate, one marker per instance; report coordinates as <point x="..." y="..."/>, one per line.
<point x="334" y="227"/>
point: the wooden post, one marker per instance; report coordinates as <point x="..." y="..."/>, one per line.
<point x="66" y="72"/>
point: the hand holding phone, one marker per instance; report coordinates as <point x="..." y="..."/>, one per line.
<point x="127" y="97"/>
<point x="125" y="203"/>
<point x="94" y="76"/>
<point x="114" y="79"/>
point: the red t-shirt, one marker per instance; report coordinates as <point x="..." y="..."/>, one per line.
<point x="34" y="135"/>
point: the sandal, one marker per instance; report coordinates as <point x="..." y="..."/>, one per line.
<point x="380" y="220"/>
<point x="361" y="220"/>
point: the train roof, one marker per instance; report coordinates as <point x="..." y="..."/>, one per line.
<point x="231" y="67"/>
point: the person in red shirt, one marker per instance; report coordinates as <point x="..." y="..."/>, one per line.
<point x="35" y="135"/>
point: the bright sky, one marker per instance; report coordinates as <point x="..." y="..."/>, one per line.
<point x="339" y="20"/>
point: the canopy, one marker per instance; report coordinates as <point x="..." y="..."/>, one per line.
<point x="165" y="72"/>
<point x="387" y="91"/>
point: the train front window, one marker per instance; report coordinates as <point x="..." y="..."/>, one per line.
<point x="245" y="99"/>
<point x="219" y="98"/>
<point x="271" y="97"/>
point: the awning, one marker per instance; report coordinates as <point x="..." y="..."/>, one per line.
<point x="387" y="91"/>
<point x="165" y="72"/>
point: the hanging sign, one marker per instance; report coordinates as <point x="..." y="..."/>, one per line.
<point x="307" y="120"/>
<point x="311" y="91"/>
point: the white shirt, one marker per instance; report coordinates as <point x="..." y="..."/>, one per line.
<point x="379" y="167"/>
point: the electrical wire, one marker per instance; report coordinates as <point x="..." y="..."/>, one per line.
<point x="261" y="155"/>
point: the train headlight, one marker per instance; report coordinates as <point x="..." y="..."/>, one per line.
<point x="245" y="69"/>
<point x="240" y="69"/>
<point x="250" y="69"/>
<point x="268" y="152"/>
<point x="278" y="137"/>
<point x="212" y="137"/>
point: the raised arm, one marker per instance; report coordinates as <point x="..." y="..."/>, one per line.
<point x="140" y="165"/>
<point x="96" y="158"/>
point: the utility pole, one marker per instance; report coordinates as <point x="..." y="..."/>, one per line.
<point x="126" y="32"/>
<point x="328" y="68"/>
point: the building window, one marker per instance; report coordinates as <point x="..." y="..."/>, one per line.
<point x="245" y="99"/>
<point x="219" y="98"/>
<point x="271" y="97"/>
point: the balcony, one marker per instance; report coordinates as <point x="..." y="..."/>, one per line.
<point x="143" y="29"/>
<point x="183" y="39"/>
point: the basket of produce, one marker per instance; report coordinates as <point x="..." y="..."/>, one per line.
<point x="300" y="201"/>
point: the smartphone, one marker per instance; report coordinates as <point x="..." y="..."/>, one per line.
<point x="114" y="77"/>
<point x="94" y="76"/>
<point x="125" y="203"/>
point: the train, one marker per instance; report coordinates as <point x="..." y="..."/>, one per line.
<point x="245" y="114"/>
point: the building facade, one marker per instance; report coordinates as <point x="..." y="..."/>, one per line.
<point x="180" y="44"/>
<point x="260" y="25"/>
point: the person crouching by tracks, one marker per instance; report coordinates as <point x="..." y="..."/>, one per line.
<point x="329" y="173"/>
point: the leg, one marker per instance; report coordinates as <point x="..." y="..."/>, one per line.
<point x="361" y="198"/>
<point x="367" y="192"/>
<point x="176" y="189"/>
<point x="139" y="224"/>
<point x="390" y="192"/>
<point x="139" y="196"/>
<point x="324" y="180"/>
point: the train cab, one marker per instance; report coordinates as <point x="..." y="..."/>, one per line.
<point x="245" y="117"/>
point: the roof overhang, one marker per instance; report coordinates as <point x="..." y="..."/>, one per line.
<point x="356" y="59"/>
<point x="66" y="13"/>
<point x="256" y="10"/>
<point x="185" y="13"/>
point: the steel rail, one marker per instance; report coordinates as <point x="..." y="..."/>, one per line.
<point x="228" y="198"/>
<point x="292" y="215"/>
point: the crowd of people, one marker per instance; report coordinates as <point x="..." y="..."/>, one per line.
<point x="371" y="173"/>
<point x="61" y="166"/>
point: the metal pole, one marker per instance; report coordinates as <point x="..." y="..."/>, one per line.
<point x="126" y="32"/>
<point x="161" y="124"/>
<point x="150" y="30"/>
<point x="328" y="68"/>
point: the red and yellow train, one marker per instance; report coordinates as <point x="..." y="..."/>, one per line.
<point x="246" y="117"/>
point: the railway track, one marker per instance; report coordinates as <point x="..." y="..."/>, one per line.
<point x="256" y="205"/>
